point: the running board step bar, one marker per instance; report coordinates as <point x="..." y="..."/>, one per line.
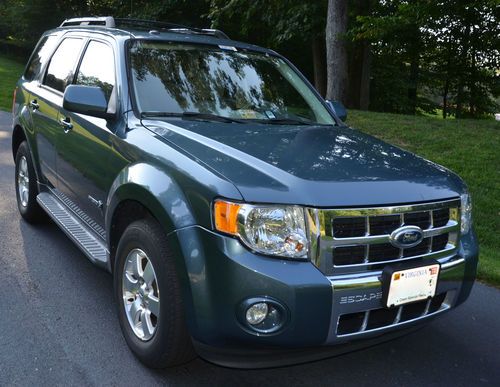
<point x="85" y="239"/>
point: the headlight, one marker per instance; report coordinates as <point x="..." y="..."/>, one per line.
<point x="466" y="213"/>
<point x="267" y="229"/>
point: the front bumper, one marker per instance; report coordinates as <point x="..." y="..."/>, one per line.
<point x="219" y="274"/>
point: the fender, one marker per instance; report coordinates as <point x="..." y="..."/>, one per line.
<point x="156" y="190"/>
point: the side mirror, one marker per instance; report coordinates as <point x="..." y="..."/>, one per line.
<point x="338" y="108"/>
<point x="89" y="100"/>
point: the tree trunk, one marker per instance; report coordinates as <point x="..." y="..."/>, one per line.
<point x="445" y="96"/>
<point x="364" y="92"/>
<point x="412" y="88"/>
<point x="359" y="62"/>
<point x="336" y="54"/>
<point x="464" y="70"/>
<point x="354" y="74"/>
<point x="319" y="64"/>
<point x="472" y="83"/>
<point x="460" y="98"/>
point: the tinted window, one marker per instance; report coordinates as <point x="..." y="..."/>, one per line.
<point x="40" y="56"/>
<point x="97" y="68"/>
<point x="60" y="71"/>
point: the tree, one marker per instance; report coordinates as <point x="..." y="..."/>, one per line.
<point x="336" y="53"/>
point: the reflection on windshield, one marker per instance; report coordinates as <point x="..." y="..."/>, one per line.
<point x="177" y="78"/>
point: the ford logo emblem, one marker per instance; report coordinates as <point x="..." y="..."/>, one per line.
<point x="406" y="237"/>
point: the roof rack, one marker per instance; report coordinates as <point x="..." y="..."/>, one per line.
<point x="105" y="21"/>
<point x="111" y="22"/>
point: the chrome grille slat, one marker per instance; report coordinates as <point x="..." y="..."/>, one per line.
<point x="435" y="255"/>
<point x="376" y="239"/>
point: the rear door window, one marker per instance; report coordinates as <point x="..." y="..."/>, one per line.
<point x="98" y="68"/>
<point x="40" y="56"/>
<point x="62" y="64"/>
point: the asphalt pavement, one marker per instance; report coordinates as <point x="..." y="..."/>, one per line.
<point x="58" y="325"/>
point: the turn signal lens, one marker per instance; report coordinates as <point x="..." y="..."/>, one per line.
<point x="226" y="217"/>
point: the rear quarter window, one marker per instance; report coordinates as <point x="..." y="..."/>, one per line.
<point x="40" y="56"/>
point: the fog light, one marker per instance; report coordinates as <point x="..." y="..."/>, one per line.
<point x="262" y="315"/>
<point x="257" y="313"/>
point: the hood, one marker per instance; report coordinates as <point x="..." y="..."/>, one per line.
<point x="321" y="166"/>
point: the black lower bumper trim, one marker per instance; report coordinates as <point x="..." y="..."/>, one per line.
<point x="251" y="358"/>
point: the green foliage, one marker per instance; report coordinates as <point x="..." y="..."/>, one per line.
<point x="282" y="20"/>
<point x="467" y="147"/>
<point x="26" y="20"/>
<point x="10" y="71"/>
<point x="190" y="12"/>
<point x="434" y="54"/>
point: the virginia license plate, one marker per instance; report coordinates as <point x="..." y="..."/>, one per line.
<point x="413" y="284"/>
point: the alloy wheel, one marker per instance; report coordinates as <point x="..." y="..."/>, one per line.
<point x="141" y="296"/>
<point x="23" y="181"/>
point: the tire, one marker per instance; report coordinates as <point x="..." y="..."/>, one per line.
<point x="158" y="336"/>
<point x="26" y="186"/>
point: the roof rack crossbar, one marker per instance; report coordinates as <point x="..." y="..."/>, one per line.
<point x="105" y="21"/>
<point x="147" y="23"/>
<point x="172" y="27"/>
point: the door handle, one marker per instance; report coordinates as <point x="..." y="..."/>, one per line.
<point x="66" y="124"/>
<point x="34" y="104"/>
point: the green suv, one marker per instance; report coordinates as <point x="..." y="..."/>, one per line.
<point x="241" y="219"/>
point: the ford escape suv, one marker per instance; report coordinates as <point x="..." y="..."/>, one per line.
<point x="240" y="218"/>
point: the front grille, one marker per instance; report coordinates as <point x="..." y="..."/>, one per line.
<point x="362" y="237"/>
<point x="360" y="322"/>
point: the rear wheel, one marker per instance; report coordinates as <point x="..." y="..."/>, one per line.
<point x="26" y="186"/>
<point x="148" y="295"/>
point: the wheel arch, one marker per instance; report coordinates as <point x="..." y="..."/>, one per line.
<point x="18" y="136"/>
<point x="142" y="190"/>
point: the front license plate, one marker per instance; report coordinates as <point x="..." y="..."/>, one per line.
<point x="413" y="284"/>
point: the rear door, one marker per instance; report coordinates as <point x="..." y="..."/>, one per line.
<point x="84" y="153"/>
<point x="30" y="83"/>
<point x="46" y="100"/>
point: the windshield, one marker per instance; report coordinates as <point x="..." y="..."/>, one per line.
<point x="175" y="79"/>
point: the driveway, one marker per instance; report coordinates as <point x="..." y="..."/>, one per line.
<point x="58" y="325"/>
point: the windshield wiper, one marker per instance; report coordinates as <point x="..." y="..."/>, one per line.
<point x="192" y="115"/>
<point x="285" y="121"/>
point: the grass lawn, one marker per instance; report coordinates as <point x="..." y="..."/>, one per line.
<point x="470" y="148"/>
<point x="10" y="71"/>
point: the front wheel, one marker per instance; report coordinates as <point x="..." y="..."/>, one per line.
<point x="148" y="294"/>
